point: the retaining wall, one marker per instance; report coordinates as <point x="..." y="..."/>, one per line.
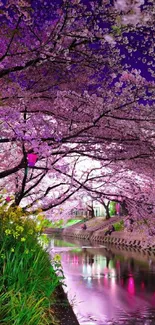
<point x="122" y="238"/>
<point x="50" y="231"/>
<point x="78" y="233"/>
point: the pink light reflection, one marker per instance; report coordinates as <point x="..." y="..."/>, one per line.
<point x="131" y="286"/>
<point x="105" y="280"/>
<point x="142" y="286"/>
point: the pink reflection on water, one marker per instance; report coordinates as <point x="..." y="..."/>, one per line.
<point x="75" y="259"/>
<point x="106" y="270"/>
<point x="105" y="280"/>
<point x="113" y="283"/>
<point x="118" y="265"/>
<point x="100" y="291"/>
<point x="131" y="285"/>
<point x="142" y="286"/>
<point x="153" y="299"/>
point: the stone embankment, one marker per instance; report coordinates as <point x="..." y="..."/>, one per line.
<point x="122" y="238"/>
<point x="139" y="238"/>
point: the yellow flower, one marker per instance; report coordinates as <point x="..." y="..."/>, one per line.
<point x="38" y="228"/>
<point x="40" y="217"/>
<point x="13" y="215"/>
<point x="23" y="239"/>
<point x="26" y="251"/>
<point x="19" y="228"/>
<point x="30" y="232"/>
<point x="12" y="250"/>
<point x="19" y="208"/>
<point x="8" y="231"/>
<point x="16" y="234"/>
<point x="57" y="258"/>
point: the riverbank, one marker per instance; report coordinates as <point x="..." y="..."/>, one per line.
<point x="63" y="311"/>
<point x="142" y="236"/>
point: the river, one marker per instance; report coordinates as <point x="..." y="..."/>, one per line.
<point x="108" y="286"/>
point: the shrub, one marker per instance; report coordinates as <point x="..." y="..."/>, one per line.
<point x="119" y="226"/>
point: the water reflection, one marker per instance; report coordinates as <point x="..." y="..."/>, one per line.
<point x="110" y="286"/>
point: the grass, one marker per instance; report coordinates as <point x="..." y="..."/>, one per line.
<point x="28" y="280"/>
<point x="72" y="222"/>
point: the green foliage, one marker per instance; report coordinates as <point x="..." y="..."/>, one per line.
<point x="119" y="225"/>
<point x="27" y="277"/>
<point x="112" y="208"/>
<point x="17" y="226"/>
<point x="55" y="224"/>
<point x="60" y="223"/>
<point x="72" y="222"/>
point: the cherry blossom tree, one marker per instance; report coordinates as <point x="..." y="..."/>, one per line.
<point x="71" y="88"/>
<point x="134" y="191"/>
<point x="106" y="138"/>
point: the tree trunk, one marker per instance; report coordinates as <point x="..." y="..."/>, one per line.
<point x="124" y="210"/>
<point x="106" y="206"/>
<point x="107" y="212"/>
<point x="92" y="212"/>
